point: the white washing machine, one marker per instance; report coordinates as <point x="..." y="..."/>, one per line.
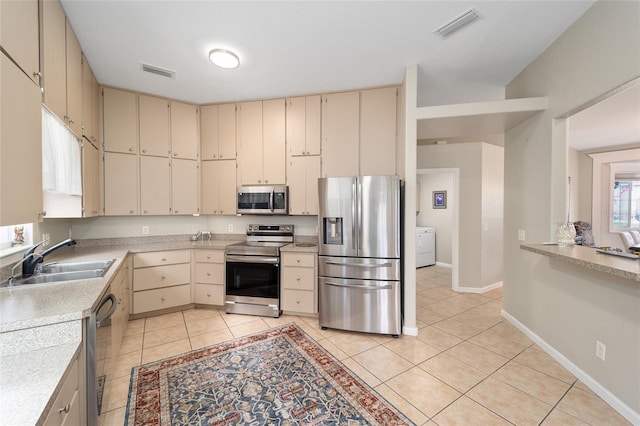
<point x="425" y="246"/>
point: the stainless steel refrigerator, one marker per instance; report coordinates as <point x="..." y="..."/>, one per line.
<point x="360" y="284"/>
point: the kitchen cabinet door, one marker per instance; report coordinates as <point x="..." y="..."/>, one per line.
<point x="273" y="142"/>
<point x="120" y="184"/>
<point x="219" y="187"/>
<point x="218" y="131"/>
<point x="89" y="103"/>
<point x="90" y="180"/>
<point x="340" y="134"/>
<point x="184" y="131"/>
<point x="54" y="58"/>
<point x="73" y="81"/>
<point x="155" y="186"/>
<point x="302" y="178"/>
<point x="19" y="35"/>
<point x="153" y="116"/>
<point x="120" y="122"/>
<point x="303" y="125"/>
<point x="20" y="163"/>
<point x="185" y="188"/>
<point x="249" y="117"/>
<point x="378" y="131"/>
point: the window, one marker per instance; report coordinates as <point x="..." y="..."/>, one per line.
<point x="626" y="201"/>
<point x="15" y="238"/>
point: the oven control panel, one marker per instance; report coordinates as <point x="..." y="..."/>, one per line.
<point x="277" y="230"/>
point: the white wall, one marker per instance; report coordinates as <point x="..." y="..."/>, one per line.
<point x="567" y="307"/>
<point x="480" y="204"/>
<point x="441" y="219"/>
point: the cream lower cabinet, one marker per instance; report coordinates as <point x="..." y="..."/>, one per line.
<point x="65" y="410"/>
<point x="161" y="280"/>
<point x="120" y="318"/>
<point x="209" y="277"/>
<point x="299" y="283"/>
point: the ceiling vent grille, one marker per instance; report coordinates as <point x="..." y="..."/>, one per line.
<point x="457" y="23"/>
<point x="157" y="70"/>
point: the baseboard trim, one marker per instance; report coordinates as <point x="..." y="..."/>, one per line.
<point x="623" y="409"/>
<point x="409" y="331"/>
<point x="479" y="290"/>
<point x="444" y="265"/>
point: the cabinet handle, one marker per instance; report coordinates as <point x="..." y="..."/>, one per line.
<point x="298" y="279"/>
<point x="131" y="211"/>
<point x="298" y="260"/>
<point x="163" y="277"/>
<point x="71" y="121"/>
<point x="215" y="156"/>
<point x="144" y="151"/>
<point x="65" y="409"/>
<point x="208" y="274"/>
<point x="145" y="211"/>
<point x="220" y="155"/>
<point x="208" y="257"/>
<point x="43" y="213"/>
<point x="119" y="301"/>
<point x="130" y="149"/>
<point x="297" y="302"/>
<point x="208" y="294"/>
<point x="175" y="154"/>
<point x="164" y="259"/>
<point x="37" y="74"/>
<point x="162" y="298"/>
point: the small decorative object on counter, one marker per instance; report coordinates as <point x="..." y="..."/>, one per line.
<point x="18" y="235"/>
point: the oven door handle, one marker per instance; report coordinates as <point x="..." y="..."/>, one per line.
<point x="252" y="259"/>
<point x="108" y="298"/>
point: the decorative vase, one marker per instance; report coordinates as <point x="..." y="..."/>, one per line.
<point x="566" y="234"/>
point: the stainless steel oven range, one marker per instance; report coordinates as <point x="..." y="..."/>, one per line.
<point x="253" y="271"/>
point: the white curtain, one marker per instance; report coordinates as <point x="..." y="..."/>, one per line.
<point x="61" y="164"/>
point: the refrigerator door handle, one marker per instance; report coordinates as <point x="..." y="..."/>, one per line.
<point x="364" y="287"/>
<point x="354" y="207"/>
<point x="359" y="210"/>
<point x="361" y="265"/>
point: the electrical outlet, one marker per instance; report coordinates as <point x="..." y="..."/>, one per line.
<point x="145" y="230"/>
<point x="521" y="235"/>
<point x="601" y="350"/>
<point x="230" y="228"/>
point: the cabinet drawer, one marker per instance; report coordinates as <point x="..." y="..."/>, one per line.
<point x="299" y="278"/>
<point x="68" y="396"/>
<point x="155" y="258"/>
<point x="210" y="273"/>
<point x="299" y="259"/>
<point x="299" y="301"/>
<point x="209" y="294"/>
<point x="161" y="298"/>
<point x="161" y="276"/>
<point x="209" y="256"/>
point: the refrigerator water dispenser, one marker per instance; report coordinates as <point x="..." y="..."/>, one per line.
<point x="332" y="230"/>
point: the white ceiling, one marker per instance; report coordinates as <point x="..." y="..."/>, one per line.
<point x="305" y="47"/>
<point x="613" y="122"/>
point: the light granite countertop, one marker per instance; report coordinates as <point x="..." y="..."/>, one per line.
<point x="588" y="258"/>
<point x="301" y="247"/>
<point x="41" y="327"/>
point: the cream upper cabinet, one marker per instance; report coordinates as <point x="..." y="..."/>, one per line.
<point x="302" y="178"/>
<point x="155" y="186"/>
<point x="54" y="57"/>
<point x="219" y="187"/>
<point x="340" y="134"/>
<point x="19" y="34"/>
<point x="218" y="131"/>
<point x="90" y="103"/>
<point x="250" y="143"/>
<point x="378" y="131"/>
<point x="62" y="67"/>
<point x="120" y="122"/>
<point x="74" y="82"/>
<point x="90" y="180"/>
<point x="153" y="116"/>
<point x="120" y="184"/>
<point x="20" y="163"/>
<point x="184" y="131"/>
<point x="273" y="141"/>
<point x="185" y="186"/>
<point x="303" y="125"/>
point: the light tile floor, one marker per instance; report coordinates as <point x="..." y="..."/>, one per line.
<point x="467" y="366"/>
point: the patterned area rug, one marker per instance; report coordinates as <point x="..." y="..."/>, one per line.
<point x="277" y="377"/>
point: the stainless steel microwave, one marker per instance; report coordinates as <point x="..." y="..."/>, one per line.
<point x="263" y="199"/>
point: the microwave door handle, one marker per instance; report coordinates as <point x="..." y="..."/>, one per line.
<point x="271" y="206"/>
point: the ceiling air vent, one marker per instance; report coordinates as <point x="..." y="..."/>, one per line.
<point x="457" y="23"/>
<point x="157" y="70"/>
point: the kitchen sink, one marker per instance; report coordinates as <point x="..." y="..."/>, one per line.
<point x="58" y="272"/>
<point x="53" y="268"/>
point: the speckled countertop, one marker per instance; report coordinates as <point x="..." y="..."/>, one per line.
<point x="301" y="247"/>
<point x="588" y="258"/>
<point x="41" y="326"/>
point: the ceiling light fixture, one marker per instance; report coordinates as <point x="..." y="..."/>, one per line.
<point x="224" y="58"/>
